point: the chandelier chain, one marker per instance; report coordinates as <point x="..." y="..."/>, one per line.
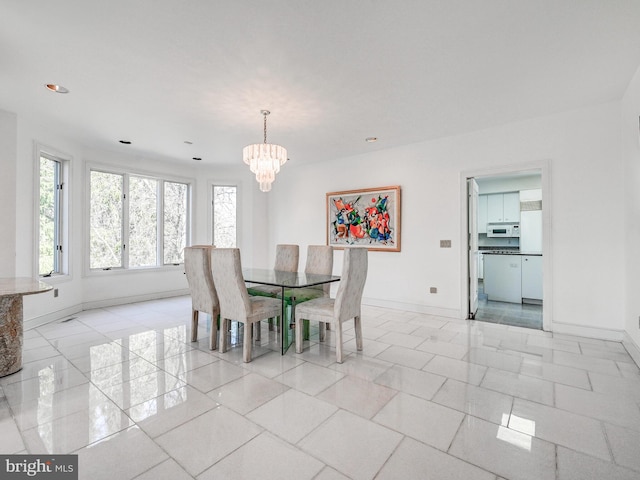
<point x="265" y="128"/>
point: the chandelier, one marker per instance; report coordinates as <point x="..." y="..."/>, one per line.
<point x="264" y="159"/>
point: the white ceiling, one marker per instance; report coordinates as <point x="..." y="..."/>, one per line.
<point x="332" y="72"/>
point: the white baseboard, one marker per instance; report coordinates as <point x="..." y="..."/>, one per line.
<point x="412" y="307"/>
<point x="589" y="332"/>
<point x="67" y="312"/>
<point x="632" y="347"/>
<point x="110" y="302"/>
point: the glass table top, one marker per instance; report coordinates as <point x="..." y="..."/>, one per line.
<point x="278" y="278"/>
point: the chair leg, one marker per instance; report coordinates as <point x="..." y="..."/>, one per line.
<point x="271" y="324"/>
<point x="194" y="325"/>
<point x="224" y="326"/>
<point x="257" y="327"/>
<point x="338" y="341"/>
<point x="213" y="337"/>
<point x="358" y="327"/>
<point x="321" y="330"/>
<point x="298" y="329"/>
<point x="246" y="348"/>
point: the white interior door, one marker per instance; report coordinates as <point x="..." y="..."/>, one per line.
<point x="472" y="190"/>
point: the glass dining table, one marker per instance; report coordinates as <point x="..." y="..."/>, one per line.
<point x="289" y="283"/>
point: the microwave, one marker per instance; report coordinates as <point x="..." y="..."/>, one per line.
<point x="507" y="230"/>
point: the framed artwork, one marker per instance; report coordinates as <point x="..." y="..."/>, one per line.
<point x="368" y="218"/>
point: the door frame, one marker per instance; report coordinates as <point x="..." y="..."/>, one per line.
<point x="542" y="166"/>
<point x="472" y="252"/>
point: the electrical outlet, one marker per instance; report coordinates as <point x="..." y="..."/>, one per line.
<point x="55" y="292"/>
<point x="433" y="290"/>
<point x="445" y="243"/>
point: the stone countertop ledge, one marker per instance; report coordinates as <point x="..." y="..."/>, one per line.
<point x="22" y="286"/>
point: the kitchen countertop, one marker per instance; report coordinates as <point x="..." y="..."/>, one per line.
<point x="507" y="252"/>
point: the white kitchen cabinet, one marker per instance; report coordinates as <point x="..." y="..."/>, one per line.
<point x="503" y="277"/>
<point x="532" y="277"/>
<point x="482" y="213"/>
<point x="495" y="208"/>
<point x="531" y="195"/>
<point x="512" y="207"/>
<point x="503" y="207"/>
<point x="531" y="231"/>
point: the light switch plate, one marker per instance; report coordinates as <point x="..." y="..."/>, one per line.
<point x="445" y="243"/>
<point x="433" y="290"/>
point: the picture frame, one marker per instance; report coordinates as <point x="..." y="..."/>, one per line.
<point x="368" y="217"/>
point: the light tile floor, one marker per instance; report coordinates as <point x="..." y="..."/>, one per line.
<point x="428" y="398"/>
<point x="515" y="314"/>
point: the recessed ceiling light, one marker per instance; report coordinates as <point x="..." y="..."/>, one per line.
<point x="371" y="139"/>
<point x="56" y="88"/>
<point x="197" y="158"/>
<point x="125" y="142"/>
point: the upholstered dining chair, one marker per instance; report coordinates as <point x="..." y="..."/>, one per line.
<point x="235" y="302"/>
<point x="197" y="267"/>
<point x="320" y="262"/>
<point x="287" y="258"/>
<point x="346" y="306"/>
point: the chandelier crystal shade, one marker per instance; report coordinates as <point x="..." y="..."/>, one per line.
<point x="264" y="159"/>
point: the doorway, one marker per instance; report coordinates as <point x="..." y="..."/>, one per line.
<point x="505" y="247"/>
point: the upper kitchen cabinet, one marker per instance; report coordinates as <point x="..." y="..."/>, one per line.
<point x="503" y="207"/>
<point x="482" y="213"/>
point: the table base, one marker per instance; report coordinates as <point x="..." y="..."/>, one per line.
<point x="11" y="334"/>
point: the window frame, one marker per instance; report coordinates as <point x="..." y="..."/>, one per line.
<point x="62" y="225"/>
<point x="127" y="173"/>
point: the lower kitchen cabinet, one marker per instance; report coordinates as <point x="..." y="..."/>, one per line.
<point x="502" y="277"/>
<point x="532" y="277"/>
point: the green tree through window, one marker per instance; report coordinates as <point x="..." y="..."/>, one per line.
<point x="106" y="220"/>
<point x="50" y="216"/>
<point x="175" y="221"/>
<point x="224" y="216"/>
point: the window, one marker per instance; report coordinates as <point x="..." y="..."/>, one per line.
<point x="224" y="216"/>
<point x="175" y="221"/>
<point x="51" y="172"/>
<point x="107" y="200"/>
<point x="143" y="222"/>
<point x="154" y="211"/>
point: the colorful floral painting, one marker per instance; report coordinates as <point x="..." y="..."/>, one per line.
<point x="368" y="218"/>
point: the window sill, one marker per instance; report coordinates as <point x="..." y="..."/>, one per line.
<point x="56" y="279"/>
<point x="132" y="271"/>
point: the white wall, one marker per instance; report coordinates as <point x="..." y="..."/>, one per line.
<point x="586" y="176"/>
<point x="8" y="136"/>
<point x="81" y="290"/>
<point x="631" y="156"/>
